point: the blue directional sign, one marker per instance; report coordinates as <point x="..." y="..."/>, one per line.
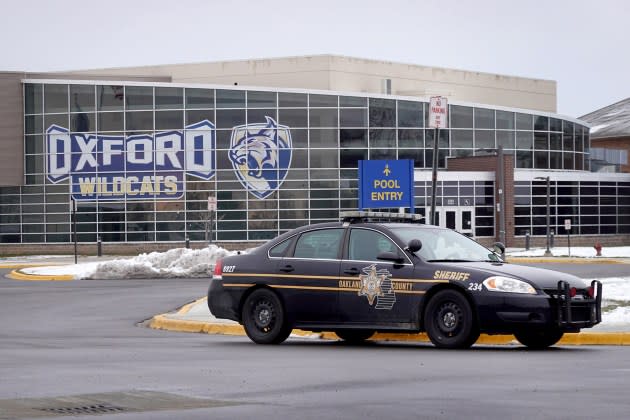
<point x="386" y="183"/>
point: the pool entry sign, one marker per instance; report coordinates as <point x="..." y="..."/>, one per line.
<point x="386" y="184"/>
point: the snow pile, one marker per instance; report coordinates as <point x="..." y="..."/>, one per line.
<point x="179" y="262"/>
<point x="615" y="301"/>
<point x="582" y="252"/>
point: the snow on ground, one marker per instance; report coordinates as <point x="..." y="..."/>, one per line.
<point x="178" y="262"/>
<point x="582" y="252"/>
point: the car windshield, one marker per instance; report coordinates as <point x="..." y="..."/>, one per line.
<point x="445" y="245"/>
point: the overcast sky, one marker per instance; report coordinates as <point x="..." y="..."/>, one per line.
<point x="582" y="45"/>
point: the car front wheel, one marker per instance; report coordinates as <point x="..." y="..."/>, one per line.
<point x="539" y="339"/>
<point x="263" y="318"/>
<point x="449" y="321"/>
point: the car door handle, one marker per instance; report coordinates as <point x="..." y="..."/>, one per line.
<point x="287" y="268"/>
<point x="353" y="271"/>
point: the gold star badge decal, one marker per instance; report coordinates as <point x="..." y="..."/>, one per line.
<point x="371" y="283"/>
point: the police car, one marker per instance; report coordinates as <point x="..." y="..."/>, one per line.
<point x="382" y="272"/>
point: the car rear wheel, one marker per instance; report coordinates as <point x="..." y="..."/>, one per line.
<point x="539" y="339"/>
<point x="263" y="318"/>
<point x="354" y="336"/>
<point x="449" y="321"/>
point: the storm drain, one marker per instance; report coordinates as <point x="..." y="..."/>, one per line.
<point x="104" y="403"/>
<point x="88" y="409"/>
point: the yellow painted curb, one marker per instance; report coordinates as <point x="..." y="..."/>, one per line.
<point x="17" y="275"/>
<point x="162" y="322"/>
<point x="25" y="265"/>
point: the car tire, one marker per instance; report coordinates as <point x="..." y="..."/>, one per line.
<point x="449" y="321"/>
<point x="264" y="319"/>
<point x="539" y="339"/>
<point x="354" y="336"/>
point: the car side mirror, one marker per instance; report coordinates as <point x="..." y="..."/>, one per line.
<point x="390" y="256"/>
<point x="414" y="245"/>
<point x="498" y="248"/>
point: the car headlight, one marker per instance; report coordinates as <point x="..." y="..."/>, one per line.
<point x="508" y="284"/>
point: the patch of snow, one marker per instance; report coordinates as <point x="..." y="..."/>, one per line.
<point x="582" y="252"/>
<point x="178" y="262"/>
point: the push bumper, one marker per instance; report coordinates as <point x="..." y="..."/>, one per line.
<point x="555" y="308"/>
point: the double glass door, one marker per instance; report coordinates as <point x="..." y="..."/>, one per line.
<point x="460" y="219"/>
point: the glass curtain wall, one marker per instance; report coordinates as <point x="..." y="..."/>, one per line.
<point x="327" y="135"/>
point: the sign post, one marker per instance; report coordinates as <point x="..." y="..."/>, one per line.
<point x="567" y="227"/>
<point x="212" y="207"/>
<point x="73" y="202"/>
<point x="438" y="118"/>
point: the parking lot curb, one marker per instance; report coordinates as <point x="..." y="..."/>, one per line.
<point x="163" y="322"/>
<point x="18" y="275"/>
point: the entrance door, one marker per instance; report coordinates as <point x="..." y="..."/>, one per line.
<point x="460" y="219"/>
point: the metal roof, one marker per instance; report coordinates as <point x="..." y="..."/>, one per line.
<point x="610" y="121"/>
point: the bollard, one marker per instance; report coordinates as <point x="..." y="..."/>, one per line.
<point x="99" y="247"/>
<point x="551" y="239"/>
<point x="527" y="238"/>
<point x="187" y="242"/>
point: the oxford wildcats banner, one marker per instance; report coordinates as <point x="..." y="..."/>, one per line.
<point x="261" y="156"/>
<point x="103" y="167"/>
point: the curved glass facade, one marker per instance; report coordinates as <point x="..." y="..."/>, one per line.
<point x="141" y="160"/>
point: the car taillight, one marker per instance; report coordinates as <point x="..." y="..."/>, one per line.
<point x="591" y="292"/>
<point x="218" y="270"/>
<point x="573" y="292"/>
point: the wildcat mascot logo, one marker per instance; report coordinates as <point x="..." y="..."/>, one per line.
<point x="261" y="156"/>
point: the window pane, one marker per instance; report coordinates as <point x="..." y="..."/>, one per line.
<point x="33" y="99"/>
<point x="461" y="116"/>
<point x="323" y="100"/>
<point x="382" y="112"/>
<point x="139" y="97"/>
<point x="261" y="99"/>
<point x="323" y="117"/>
<point x="169" y="98"/>
<point x="353" y="138"/>
<point x="524" y="122"/>
<point x="230" y="98"/>
<point x="484" y="118"/>
<point x="365" y="245"/>
<point x="199" y="98"/>
<point x="319" y="244"/>
<point x="82" y="98"/>
<point x="352" y="101"/>
<point x="505" y="120"/>
<point x="55" y="98"/>
<point x="382" y="138"/>
<point x="353" y="117"/>
<point x="410" y="114"/>
<point x="292" y="100"/>
<point x="541" y="123"/>
<point x="110" y="98"/>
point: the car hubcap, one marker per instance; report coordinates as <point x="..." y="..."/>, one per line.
<point x="263" y="316"/>
<point x="449" y="317"/>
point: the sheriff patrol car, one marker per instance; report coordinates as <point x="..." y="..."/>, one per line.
<point x="388" y="273"/>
